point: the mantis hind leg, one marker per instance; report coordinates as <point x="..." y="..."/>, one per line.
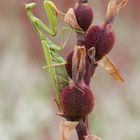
<point x="63" y="43"/>
<point x="53" y="65"/>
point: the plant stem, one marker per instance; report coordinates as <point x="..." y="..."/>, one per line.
<point x="82" y="1"/>
<point x="80" y="39"/>
<point x="81" y="130"/>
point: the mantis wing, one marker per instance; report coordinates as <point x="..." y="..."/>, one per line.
<point x="58" y="75"/>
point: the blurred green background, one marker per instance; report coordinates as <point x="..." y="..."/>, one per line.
<point x="26" y="108"/>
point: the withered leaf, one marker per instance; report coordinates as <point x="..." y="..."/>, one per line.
<point x="108" y="65"/>
<point x="114" y="6"/>
<point x="78" y="63"/>
<point x="70" y="19"/>
<point x="66" y="129"/>
<point x="91" y="54"/>
<point x="92" y="137"/>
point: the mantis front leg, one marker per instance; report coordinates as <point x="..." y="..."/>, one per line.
<point x="38" y="25"/>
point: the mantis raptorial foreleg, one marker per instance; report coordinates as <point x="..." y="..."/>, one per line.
<point x="38" y="25"/>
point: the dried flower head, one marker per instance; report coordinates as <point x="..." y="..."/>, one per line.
<point x="102" y="38"/>
<point x="84" y="15"/>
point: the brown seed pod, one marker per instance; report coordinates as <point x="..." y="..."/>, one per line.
<point x="102" y="38"/>
<point x="84" y="15"/>
<point x="77" y="101"/>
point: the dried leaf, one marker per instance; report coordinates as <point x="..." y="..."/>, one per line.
<point x="91" y="54"/>
<point x="114" y="6"/>
<point x="78" y="63"/>
<point x="107" y="64"/>
<point x="70" y="19"/>
<point x="66" y="129"/>
<point x="92" y="137"/>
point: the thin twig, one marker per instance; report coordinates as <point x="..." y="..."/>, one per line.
<point x="82" y="1"/>
<point x="81" y="130"/>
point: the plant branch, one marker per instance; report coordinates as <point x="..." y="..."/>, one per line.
<point x="80" y="39"/>
<point x="81" y="130"/>
<point x="82" y="1"/>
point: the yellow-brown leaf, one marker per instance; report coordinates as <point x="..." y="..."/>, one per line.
<point x="92" y="137"/>
<point x="114" y="6"/>
<point x="108" y="65"/>
<point x="66" y="129"/>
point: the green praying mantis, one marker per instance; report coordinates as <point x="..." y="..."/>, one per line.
<point x="58" y="75"/>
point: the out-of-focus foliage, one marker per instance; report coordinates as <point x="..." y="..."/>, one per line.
<point x="26" y="108"/>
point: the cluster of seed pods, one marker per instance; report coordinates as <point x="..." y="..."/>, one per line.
<point x="93" y="43"/>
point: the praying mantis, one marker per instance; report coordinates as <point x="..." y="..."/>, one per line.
<point x="58" y="75"/>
